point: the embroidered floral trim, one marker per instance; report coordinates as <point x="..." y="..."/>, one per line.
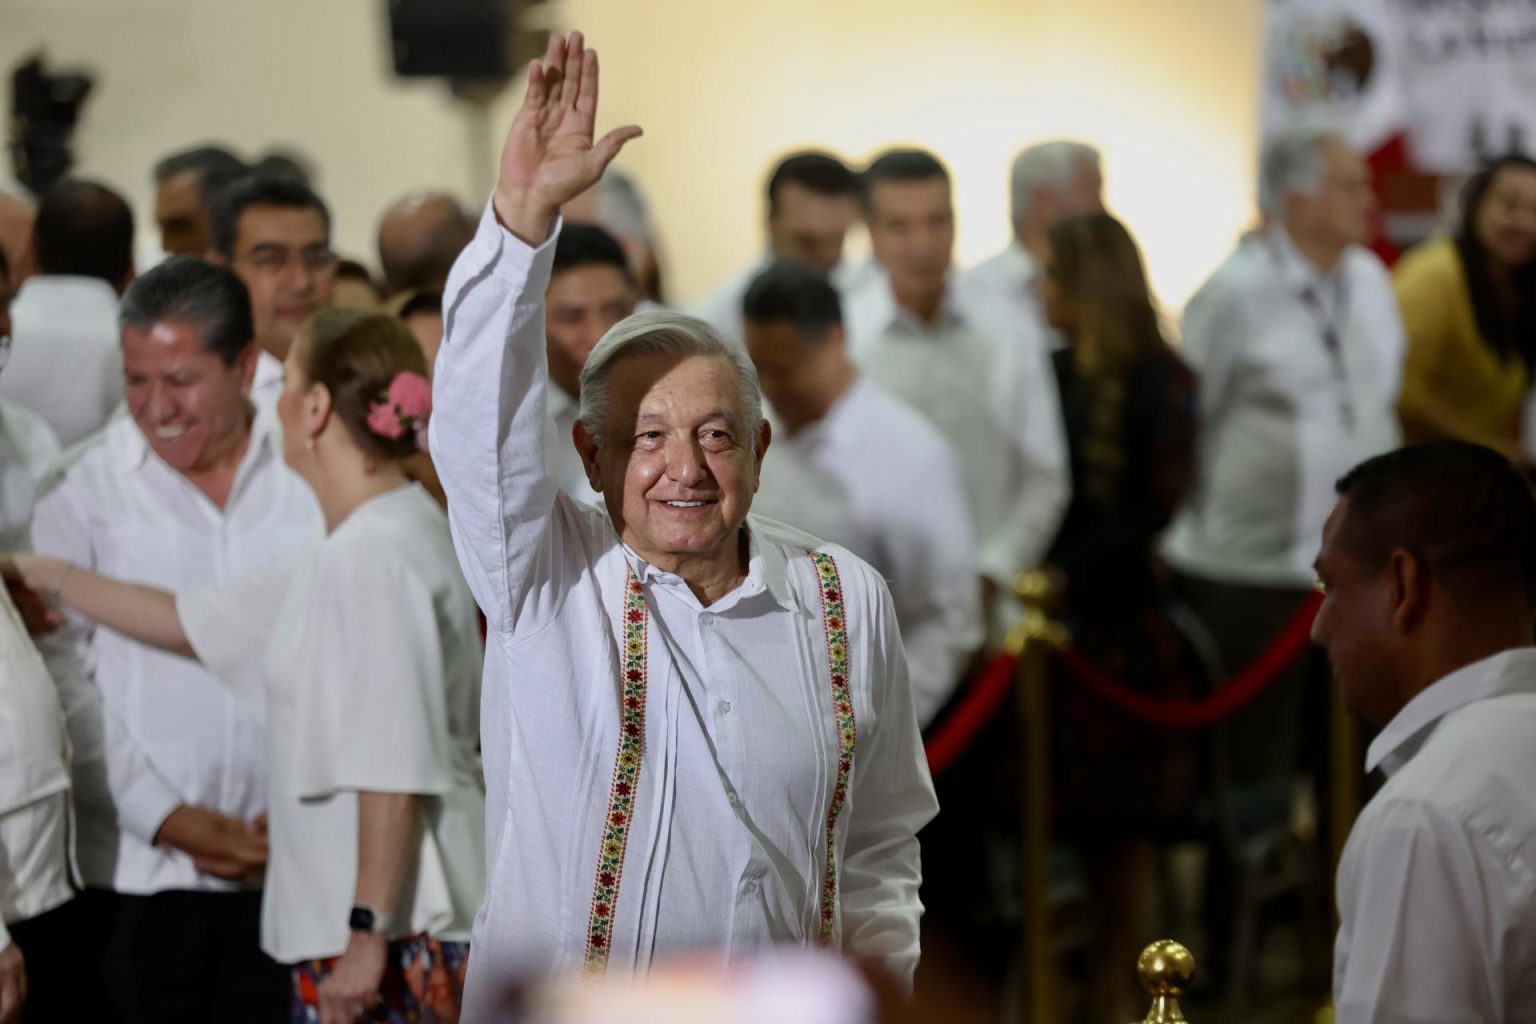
<point x="835" y="625"/>
<point x="626" y="780"/>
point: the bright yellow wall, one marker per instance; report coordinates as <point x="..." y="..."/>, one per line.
<point x="1167" y="88"/>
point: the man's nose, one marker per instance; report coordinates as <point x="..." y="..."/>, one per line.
<point x="685" y="460"/>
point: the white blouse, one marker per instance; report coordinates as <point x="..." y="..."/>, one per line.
<point x="372" y="659"/>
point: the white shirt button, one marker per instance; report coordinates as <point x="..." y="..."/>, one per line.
<point x="732" y="799"/>
<point x="725" y="707"/>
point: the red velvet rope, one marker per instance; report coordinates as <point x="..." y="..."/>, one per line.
<point x="991" y="688"/>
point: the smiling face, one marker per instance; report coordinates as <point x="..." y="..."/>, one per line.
<point x="679" y="463"/>
<point x="187" y="403"/>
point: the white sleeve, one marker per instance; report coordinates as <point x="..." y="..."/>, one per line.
<point x="231" y="626"/>
<point x="929" y="549"/>
<point x="489" y="422"/>
<point x="373" y="717"/>
<point x="1211" y="332"/>
<point x="1421" y="904"/>
<point x="112" y="773"/>
<point x="891" y="798"/>
<point x="1028" y="404"/>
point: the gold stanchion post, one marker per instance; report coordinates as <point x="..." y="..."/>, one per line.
<point x="1165" y="969"/>
<point x="1032" y="641"/>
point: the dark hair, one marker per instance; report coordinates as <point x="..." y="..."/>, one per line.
<point x="258" y="189"/>
<point x="215" y="167"/>
<point x="421" y="302"/>
<point x="821" y="173"/>
<point x="587" y="245"/>
<point x="797" y="293"/>
<point x="286" y="164"/>
<point x="901" y="166"/>
<point x="190" y="290"/>
<point x="1099" y="268"/>
<point x="84" y="228"/>
<point x="352" y="270"/>
<point x="1507" y="334"/>
<point x="5" y="266"/>
<point x="357" y="355"/>
<point x="1459" y="507"/>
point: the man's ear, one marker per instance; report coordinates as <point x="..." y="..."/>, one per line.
<point x="764" y="438"/>
<point x="1410" y="589"/>
<point x="586" y="447"/>
<point x="245" y="365"/>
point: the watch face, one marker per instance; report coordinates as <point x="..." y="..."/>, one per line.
<point x="362" y="920"/>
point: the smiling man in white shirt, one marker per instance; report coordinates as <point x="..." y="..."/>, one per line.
<point x="1428" y="564"/>
<point x="864" y="470"/>
<point x="698" y="729"/>
<point x="65" y="365"/>
<point x="188" y="491"/>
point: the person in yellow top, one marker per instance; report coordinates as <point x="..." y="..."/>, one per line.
<point x="1469" y="308"/>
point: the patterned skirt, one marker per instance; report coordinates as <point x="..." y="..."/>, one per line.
<point x="423" y="984"/>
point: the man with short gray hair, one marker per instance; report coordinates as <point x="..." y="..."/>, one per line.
<point x="1298" y="345"/>
<point x="699" y="734"/>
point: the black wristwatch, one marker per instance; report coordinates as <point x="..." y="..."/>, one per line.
<point x="369" y="921"/>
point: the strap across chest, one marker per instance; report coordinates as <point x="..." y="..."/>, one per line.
<point x="630" y="757"/>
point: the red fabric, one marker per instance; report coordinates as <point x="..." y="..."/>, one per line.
<point x="1225" y="702"/>
<point x="961" y="725"/>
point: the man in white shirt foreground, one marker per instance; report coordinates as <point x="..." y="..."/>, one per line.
<point x="1048" y="182"/>
<point x="28" y="445"/>
<point x="274" y="232"/>
<point x="64" y="363"/>
<point x="590" y="290"/>
<point x="813" y="202"/>
<point x="1429" y="566"/>
<point x="1298" y="346"/>
<point x="864" y="470"/>
<point x="189" y="491"/>
<point x="698" y="730"/>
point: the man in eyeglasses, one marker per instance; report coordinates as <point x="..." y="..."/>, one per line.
<point x="275" y="233"/>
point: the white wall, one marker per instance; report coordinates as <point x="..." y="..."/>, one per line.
<point x="1168" y="89"/>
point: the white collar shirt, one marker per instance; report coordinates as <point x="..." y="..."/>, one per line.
<point x="28" y="446"/>
<point x="1281" y="416"/>
<point x="267" y="381"/>
<point x="1010" y="282"/>
<point x="66" y="360"/>
<point x="562" y="458"/>
<point x="1437" y="885"/>
<point x="153" y="730"/>
<point x="34" y="781"/>
<point x="874" y="476"/>
<point x="989" y="389"/>
<point x="726" y="841"/>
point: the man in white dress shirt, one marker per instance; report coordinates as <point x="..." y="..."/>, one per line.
<point x="813" y="202"/>
<point x="590" y="290"/>
<point x="862" y="469"/>
<point x="1048" y="182"/>
<point x="698" y="729"/>
<point x="28" y="445"/>
<point x="65" y="364"/>
<point x="992" y="397"/>
<point x="1298" y="346"/>
<point x="275" y="233"/>
<point x="189" y="491"/>
<point x="1428" y="564"/>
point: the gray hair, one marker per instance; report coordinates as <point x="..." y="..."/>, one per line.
<point x="662" y="332"/>
<point x="1292" y="164"/>
<point x="1048" y="165"/>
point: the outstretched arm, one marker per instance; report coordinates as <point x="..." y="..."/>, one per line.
<point x="491" y="378"/>
<point x="142" y="613"/>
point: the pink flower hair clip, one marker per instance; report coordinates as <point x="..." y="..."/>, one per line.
<point x="405" y="405"/>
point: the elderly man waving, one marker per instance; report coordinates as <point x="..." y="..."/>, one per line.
<point x="698" y="732"/>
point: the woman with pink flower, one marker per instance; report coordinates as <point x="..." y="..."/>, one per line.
<point x="371" y="659"/>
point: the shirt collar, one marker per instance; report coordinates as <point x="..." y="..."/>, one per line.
<point x="1297" y="269"/>
<point x="1512" y="671"/>
<point x="67" y="290"/>
<point x="767" y="569"/>
<point x="1021" y="265"/>
<point x="560" y="403"/>
<point x="888" y="315"/>
<point x="265" y="440"/>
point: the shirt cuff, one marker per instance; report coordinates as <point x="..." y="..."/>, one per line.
<point x="506" y="255"/>
<point x="143" y="806"/>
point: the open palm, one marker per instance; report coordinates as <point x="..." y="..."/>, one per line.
<point x="550" y="156"/>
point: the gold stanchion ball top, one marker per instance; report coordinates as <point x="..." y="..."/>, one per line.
<point x="1166" y="968"/>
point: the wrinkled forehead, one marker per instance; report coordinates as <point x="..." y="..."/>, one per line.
<point x="677" y="389"/>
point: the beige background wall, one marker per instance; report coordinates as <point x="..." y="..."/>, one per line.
<point x="1168" y="89"/>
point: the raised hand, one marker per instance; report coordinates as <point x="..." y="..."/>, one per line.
<point x="549" y="157"/>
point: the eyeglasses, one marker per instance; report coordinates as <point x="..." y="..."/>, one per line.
<point x="273" y="260"/>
